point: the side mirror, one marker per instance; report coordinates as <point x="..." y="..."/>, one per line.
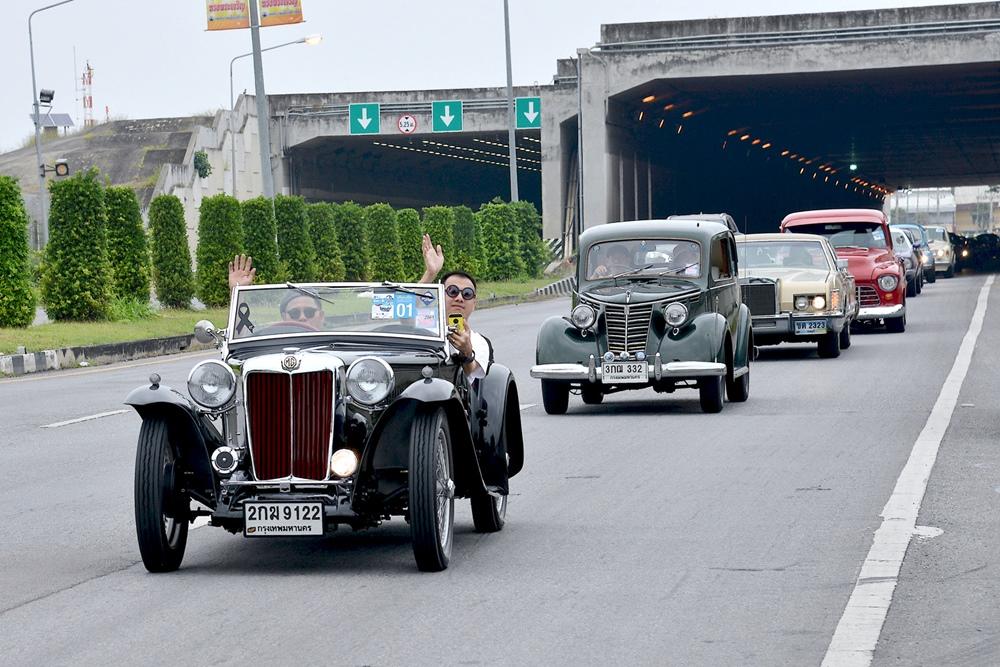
<point x="205" y="332"/>
<point x="842" y="264"/>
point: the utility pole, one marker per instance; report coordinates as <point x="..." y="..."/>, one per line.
<point x="511" y="120"/>
<point x="263" y="125"/>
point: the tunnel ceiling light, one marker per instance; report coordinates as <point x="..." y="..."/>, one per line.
<point x="502" y="145"/>
<point x="662" y="121"/>
<point x="755" y="142"/>
<point x="732" y="133"/>
<point x="814" y="175"/>
<point x="672" y="106"/>
<point x="784" y="152"/>
<point x="854" y="167"/>
<point x="640" y="116"/>
<point x="793" y="156"/>
<point x="649" y="98"/>
<point x="744" y="137"/>
<point x="687" y="114"/>
<point x="802" y="170"/>
<point x="680" y="128"/>
<point x="766" y="146"/>
<point x="826" y="179"/>
<point x="504" y="165"/>
<point x="533" y="140"/>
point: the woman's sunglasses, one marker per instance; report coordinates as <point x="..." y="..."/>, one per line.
<point x="295" y="313"/>
<point x="466" y="292"/>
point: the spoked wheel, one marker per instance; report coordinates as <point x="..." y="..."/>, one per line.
<point x="555" y="397"/>
<point x="161" y="511"/>
<point x="711" y="393"/>
<point x="845" y="337"/>
<point x="432" y="491"/>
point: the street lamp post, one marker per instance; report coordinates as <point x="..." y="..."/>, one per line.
<point x="43" y="227"/>
<point x="309" y="40"/>
<point x="510" y="108"/>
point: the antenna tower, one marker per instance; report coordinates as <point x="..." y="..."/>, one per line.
<point x="88" y="95"/>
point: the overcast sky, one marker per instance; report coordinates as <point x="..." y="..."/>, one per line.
<point x="155" y="58"/>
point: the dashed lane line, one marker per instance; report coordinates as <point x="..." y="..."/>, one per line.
<point x="88" y="418"/>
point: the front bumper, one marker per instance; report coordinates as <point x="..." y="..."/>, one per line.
<point x="657" y="370"/>
<point x="783" y="325"/>
<point x="942" y="264"/>
<point x="882" y="312"/>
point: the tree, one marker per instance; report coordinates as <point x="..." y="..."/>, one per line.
<point x="534" y="252"/>
<point x="220" y="238"/>
<point x="128" y="251"/>
<point x="294" y="245"/>
<point x="77" y="281"/>
<point x="260" y="234"/>
<point x="171" y="258"/>
<point x="17" y="301"/>
<point x="468" y="241"/>
<point x="350" y="223"/>
<point x="410" y="236"/>
<point x="380" y="223"/>
<point x="439" y="223"/>
<point x="329" y="265"/>
<point x="501" y="242"/>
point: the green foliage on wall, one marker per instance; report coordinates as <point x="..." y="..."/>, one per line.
<point x="17" y="301"/>
<point x="220" y="238"/>
<point x="260" y="239"/>
<point x="534" y="252"/>
<point x="295" y="246"/>
<point x="349" y="220"/>
<point x="202" y="165"/>
<point x="128" y="251"/>
<point x="501" y="241"/>
<point x="172" y="274"/>
<point x="439" y="223"/>
<point x="383" y="237"/>
<point x="410" y="238"/>
<point x="468" y="242"/>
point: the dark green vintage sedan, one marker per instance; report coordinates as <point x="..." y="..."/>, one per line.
<point x="658" y="306"/>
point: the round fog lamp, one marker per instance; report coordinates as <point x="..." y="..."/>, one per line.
<point x="819" y="302"/>
<point x="583" y="316"/>
<point x="609" y="356"/>
<point x="344" y="462"/>
<point x="801" y="303"/>
<point x="212" y="384"/>
<point x="675" y="314"/>
<point x="887" y="283"/>
<point x="224" y="460"/>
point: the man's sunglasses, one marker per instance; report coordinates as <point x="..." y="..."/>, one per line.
<point x="309" y="313"/>
<point x="466" y="292"/>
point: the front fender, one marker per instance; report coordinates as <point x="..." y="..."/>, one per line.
<point x="497" y="426"/>
<point x="743" y="352"/>
<point x="190" y="432"/>
<point x="559" y="342"/>
<point x="701" y="339"/>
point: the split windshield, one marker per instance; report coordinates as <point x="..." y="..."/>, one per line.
<point x="271" y="310"/>
<point x="847" y="234"/>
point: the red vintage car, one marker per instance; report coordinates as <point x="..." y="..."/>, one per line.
<point x="861" y="236"/>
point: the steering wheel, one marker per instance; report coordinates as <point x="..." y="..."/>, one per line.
<point x="285" y="326"/>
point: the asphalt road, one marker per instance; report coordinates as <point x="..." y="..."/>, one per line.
<point x="640" y="532"/>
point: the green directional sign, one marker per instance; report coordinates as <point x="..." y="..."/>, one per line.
<point x="447" y="116"/>
<point x="365" y="118"/>
<point x="528" y="112"/>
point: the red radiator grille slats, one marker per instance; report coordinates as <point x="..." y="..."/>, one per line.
<point x="276" y="422"/>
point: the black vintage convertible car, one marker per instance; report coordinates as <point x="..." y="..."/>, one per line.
<point x="332" y="404"/>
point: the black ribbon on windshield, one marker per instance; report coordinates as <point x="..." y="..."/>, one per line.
<point x="243" y="318"/>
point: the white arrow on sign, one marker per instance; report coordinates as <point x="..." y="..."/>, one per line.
<point x="447" y="117"/>
<point x="531" y="114"/>
<point x="364" y="120"/>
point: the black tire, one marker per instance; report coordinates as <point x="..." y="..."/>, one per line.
<point x="555" y="397"/>
<point x="161" y="513"/>
<point x="489" y="513"/>
<point x="432" y="491"/>
<point x="950" y="273"/>
<point x="911" y="287"/>
<point x="931" y="277"/>
<point x="896" y="324"/>
<point x="829" y="345"/>
<point x="591" y="394"/>
<point x="711" y="393"/>
<point x="920" y="283"/>
<point x="738" y="390"/>
<point x="845" y="337"/>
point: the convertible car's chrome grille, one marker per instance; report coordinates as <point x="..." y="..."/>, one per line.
<point x="868" y="296"/>
<point x="290" y="421"/>
<point x="627" y="327"/>
<point x="761" y="298"/>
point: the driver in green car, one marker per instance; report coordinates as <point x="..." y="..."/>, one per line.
<point x="617" y="258"/>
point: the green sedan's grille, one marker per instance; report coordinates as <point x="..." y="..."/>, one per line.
<point x="627" y="327"/>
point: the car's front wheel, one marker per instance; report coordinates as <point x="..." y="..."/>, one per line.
<point x="489" y="513"/>
<point x="161" y="510"/>
<point x="911" y="287"/>
<point x="591" y="394"/>
<point x="711" y="393"/>
<point x="931" y="276"/>
<point x="896" y="324"/>
<point x="829" y="345"/>
<point x="950" y="273"/>
<point x="845" y="337"/>
<point x="432" y="491"/>
<point x="555" y="397"/>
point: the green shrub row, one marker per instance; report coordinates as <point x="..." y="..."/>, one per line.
<point x="17" y="301"/>
<point x="171" y="257"/>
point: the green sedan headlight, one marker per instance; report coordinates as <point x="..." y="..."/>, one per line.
<point x="675" y="314"/>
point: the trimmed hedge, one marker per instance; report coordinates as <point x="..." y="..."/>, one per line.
<point x="501" y="241"/>
<point x="410" y="239"/>
<point x="349" y="219"/>
<point x="380" y="223"/>
<point x="295" y="248"/>
<point x="220" y="238"/>
<point x="468" y="241"/>
<point x="77" y="281"/>
<point x="260" y="239"/>
<point x="128" y="251"/>
<point x="17" y="301"/>
<point x="329" y="265"/>
<point x="171" y="258"/>
<point x="439" y="223"/>
<point x="534" y="253"/>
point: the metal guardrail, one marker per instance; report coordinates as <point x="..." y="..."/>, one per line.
<point x="864" y="33"/>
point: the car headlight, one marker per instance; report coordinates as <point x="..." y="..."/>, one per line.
<point x="819" y="302"/>
<point x="212" y="384"/>
<point x="928" y="259"/>
<point x="344" y="462"/>
<point x="888" y="282"/>
<point x="583" y="316"/>
<point x="369" y="380"/>
<point x="801" y="302"/>
<point x="965" y="253"/>
<point x="939" y="253"/>
<point x="675" y="314"/>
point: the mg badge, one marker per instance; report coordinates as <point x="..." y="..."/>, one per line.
<point x="290" y="362"/>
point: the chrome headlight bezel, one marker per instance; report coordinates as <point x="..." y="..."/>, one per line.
<point x="583" y="316"/>
<point x="676" y="314"/>
<point x="377" y="394"/>
<point x="888" y="282"/>
<point x="211" y="399"/>
<point x="801" y="302"/>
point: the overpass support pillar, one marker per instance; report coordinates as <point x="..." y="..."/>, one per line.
<point x="595" y="156"/>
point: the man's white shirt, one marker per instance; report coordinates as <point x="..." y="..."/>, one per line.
<point x="481" y="347"/>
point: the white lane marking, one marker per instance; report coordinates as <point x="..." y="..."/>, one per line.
<point x="108" y="368"/>
<point x="859" y="628"/>
<point x="99" y="415"/>
<point x="525" y="406"/>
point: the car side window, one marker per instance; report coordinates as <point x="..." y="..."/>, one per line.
<point x="721" y="261"/>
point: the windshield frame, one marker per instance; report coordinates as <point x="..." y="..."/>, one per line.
<point x="647" y="272"/>
<point x="437" y="340"/>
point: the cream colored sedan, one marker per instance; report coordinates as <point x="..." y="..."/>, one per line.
<point x="797" y="291"/>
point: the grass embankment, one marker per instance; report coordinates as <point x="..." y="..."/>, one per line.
<point x="165" y="323"/>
